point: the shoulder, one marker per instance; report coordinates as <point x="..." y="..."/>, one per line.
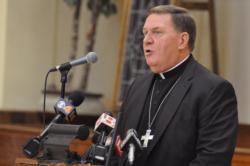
<point x="210" y="87"/>
<point x="206" y="79"/>
<point x="139" y="83"/>
<point x="141" y="80"/>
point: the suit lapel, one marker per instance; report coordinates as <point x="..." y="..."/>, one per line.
<point x="170" y="106"/>
<point x="138" y="101"/>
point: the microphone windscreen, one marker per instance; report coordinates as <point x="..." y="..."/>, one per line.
<point x="83" y="132"/>
<point x="76" y="97"/>
<point x="91" y="57"/>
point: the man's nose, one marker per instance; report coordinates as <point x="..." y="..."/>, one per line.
<point x="147" y="39"/>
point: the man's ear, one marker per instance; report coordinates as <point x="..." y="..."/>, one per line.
<point x="183" y="40"/>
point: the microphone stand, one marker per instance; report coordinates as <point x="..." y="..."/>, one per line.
<point x="64" y="74"/>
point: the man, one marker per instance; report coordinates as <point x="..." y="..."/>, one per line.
<point x="184" y="114"/>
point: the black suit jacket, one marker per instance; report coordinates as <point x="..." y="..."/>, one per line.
<point x="197" y="125"/>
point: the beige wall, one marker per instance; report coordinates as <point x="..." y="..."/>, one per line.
<point x="233" y="42"/>
<point x="29" y="50"/>
<point x="202" y="50"/>
<point x="102" y="73"/>
<point x="38" y="37"/>
<point x="238" y="40"/>
<point x="3" y="11"/>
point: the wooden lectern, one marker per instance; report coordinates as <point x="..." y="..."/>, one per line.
<point x="32" y="162"/>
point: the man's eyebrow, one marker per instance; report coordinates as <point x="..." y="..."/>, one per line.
<point x="155" y="28"/>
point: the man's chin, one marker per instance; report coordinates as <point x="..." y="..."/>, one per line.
<point x="154" y="69"/>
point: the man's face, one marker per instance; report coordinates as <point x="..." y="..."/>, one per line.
<point x="161" y="43"/>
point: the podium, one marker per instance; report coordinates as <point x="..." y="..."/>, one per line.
<point x="32" y="162"/>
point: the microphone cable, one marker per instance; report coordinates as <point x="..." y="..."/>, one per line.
<point x="44" y="98"/>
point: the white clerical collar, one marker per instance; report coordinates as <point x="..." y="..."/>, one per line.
<point x="172" y="68"/>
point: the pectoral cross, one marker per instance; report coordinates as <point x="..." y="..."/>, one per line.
<point x="146" y="138"/>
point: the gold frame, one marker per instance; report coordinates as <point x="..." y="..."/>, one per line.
<point x="123" y="35"/>
<point x="209" y="7"/>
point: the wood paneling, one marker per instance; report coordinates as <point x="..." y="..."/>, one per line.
<point x="35" y="118"/>
<point x="243" y="139"/>
<point x="241" y="159"/>
<point x="29" y="162"/>
<point x="242" y="152"/>
<point x="14" y="136"/>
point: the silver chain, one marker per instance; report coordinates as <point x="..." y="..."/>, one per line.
<point x="158" y="109"/>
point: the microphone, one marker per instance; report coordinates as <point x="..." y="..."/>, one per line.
<point x="76" y="98"/>
<point x="105" y="123"/>
<point x="64" y="109"/>
<point x="97" y="152"/>
<point x="89" y="58"/>
<point x="117" y="146"/>
<point x="131" y="144"/>
<point x="103" y="126"/>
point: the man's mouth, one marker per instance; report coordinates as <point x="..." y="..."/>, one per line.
<point x="148" y="52"/>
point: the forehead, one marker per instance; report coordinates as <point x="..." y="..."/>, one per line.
<point x="157" y="21"/>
